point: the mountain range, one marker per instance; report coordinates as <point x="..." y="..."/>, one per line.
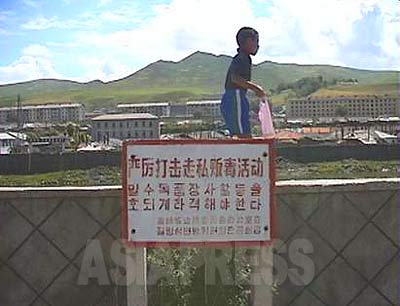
<point x="198" y="76"/>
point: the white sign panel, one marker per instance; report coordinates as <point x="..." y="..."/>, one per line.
<point x="197" y="192"/>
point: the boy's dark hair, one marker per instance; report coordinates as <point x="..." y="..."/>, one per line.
<point x="245" y="33"/>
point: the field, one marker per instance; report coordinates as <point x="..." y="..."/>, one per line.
<point x="286" y="170"/>
<point x="391" y="89"/>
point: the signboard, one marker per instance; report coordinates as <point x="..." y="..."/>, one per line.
<point x="213" y="192"/>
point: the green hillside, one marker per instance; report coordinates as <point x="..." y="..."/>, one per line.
<point x="200" y="75"/>
<point x="273" y="73"/>
<point x="391" y="89"/>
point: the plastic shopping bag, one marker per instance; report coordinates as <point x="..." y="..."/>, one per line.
<point x="265" y="117"/>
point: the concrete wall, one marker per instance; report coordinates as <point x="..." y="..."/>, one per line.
<point x="43" y="234"/>
<point x="42" y="163"/>
<point x="352" y="226"/>
<point x="315" y="153"/>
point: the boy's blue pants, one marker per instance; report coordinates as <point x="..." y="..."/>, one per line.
<point x="235" y="110"/>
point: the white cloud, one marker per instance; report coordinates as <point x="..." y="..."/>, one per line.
<point x="86" y="20"/>
<point x="176" y="29"/>
<point x="35" y="63"/>
<point x="31" y="3"/>
<point x="104" y="2"/>
<point x="334" y="32"/>
<point x="6" y="18"/>
<point x="118" y="16"/>
<point x="63" y="45"/>
<point x="4" y="32"/>
<point x="4" y="15"/>
<point x="304" y="32"/>
<point x="44" y="23"/>
<point x="40" y="23"/>
<point x="37" y="50"/>
<point x="105" y="69"/>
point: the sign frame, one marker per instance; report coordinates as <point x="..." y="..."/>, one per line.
<point x="175" y="244"/>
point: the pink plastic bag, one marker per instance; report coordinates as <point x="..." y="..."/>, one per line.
<point x="265" y="117"/>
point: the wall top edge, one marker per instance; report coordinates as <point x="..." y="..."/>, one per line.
<point x="291" y="186"/>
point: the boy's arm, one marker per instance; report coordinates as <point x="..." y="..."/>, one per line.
<point x="239" y="81"/>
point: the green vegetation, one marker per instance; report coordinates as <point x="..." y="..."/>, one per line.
<point x="76" y="134"/>
<point x="304" y="86"/>
<point x="282" y="97"/>
<point x="199" y="76"/>
<point x="345" y="169"/>
<point x="390" y="89"/>
<point x="174" y="128"/>
<point x="91" y="177"/>
<point x="286" y="170"/>
<point x="184" y="279"/>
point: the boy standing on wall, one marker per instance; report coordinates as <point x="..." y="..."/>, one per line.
<point x="235" y="105"/>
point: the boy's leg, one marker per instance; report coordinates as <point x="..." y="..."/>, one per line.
<point x="244" y="117"/>
<point x="235" y="110"/>
<point x="228" y="111"/>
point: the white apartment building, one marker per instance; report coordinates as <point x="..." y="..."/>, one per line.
<point x="125" y="126"/>
<point x="158" y="109"/>
<point x="65" y="112"/>
<point x="198" y="109"/>
<point x="327" y="108"/>
<point x="209" y="109"/>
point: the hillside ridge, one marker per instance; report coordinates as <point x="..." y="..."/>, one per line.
<point x="196" y="76"/>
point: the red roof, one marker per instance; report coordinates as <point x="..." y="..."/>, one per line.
<point x="287" y="135"/>
<point x="317" y="130"/>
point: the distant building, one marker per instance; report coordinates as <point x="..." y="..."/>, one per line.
<point x="385" y="138"/>
<point x="57" y="142"/>
<point x="204" y="109"/>
<point x="10" y="141"/>
<point x="354" y="107"/>
<point x="65" y="112"/>
<point x="288" y="136"/>
<point x="177" y="110"/>
<point x="161" y="109"/>
<point x="7" y="143"/>
<point x="191" y="109"/>
<point x="125" y="126"/>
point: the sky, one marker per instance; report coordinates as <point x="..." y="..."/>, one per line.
<point x="84" y="40"/>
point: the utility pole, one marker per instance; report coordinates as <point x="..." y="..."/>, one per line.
<point x="19" y="113"/>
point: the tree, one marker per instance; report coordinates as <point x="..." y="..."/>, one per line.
<point x="71" y="130"/>
<point x="304" y="86"/>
